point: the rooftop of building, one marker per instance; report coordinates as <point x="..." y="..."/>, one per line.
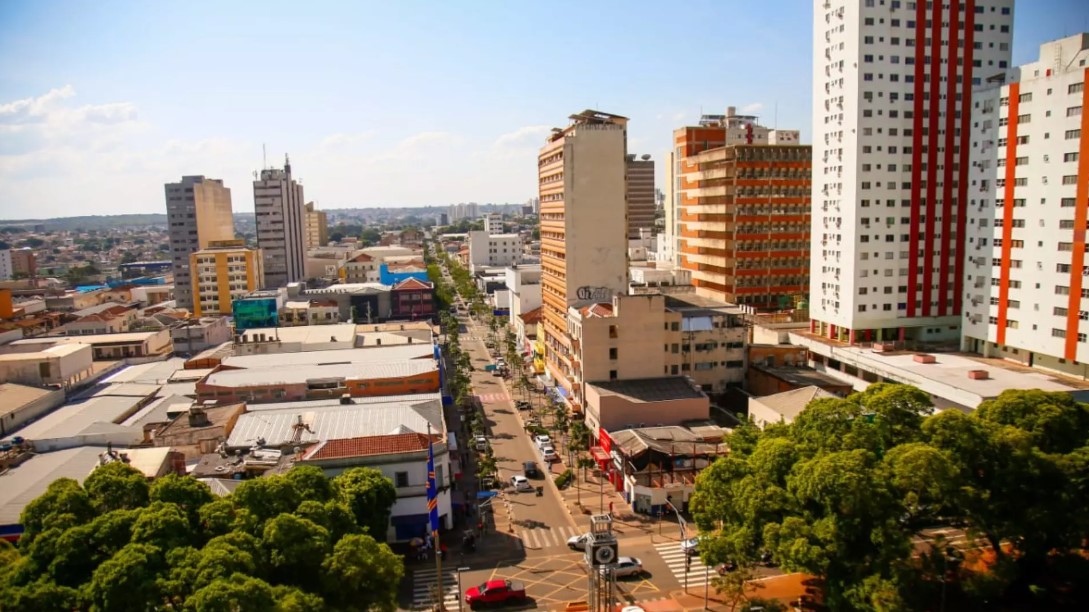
<point x="305" y="334"/>
<point x="377" y="354"/>
<point x="14" y="396"/>
<point x="217" y="417"/>
<point x="49" y="350"/>
<point x="688" y="302"/>
<point x="800" y="376"/>
<point x="642" y="390"/>
<point x="121" y="338"/>
<point x="672" y="440"/>
<point x="99" y="414"/>
<point x="293" y="374"/>
<point x="351" y="288"/>
<point x="601" y="310"/>
<point x="947" y="378"/>
<point x="415" y="399"/>
<point x="532" y="316"/>
<point x="292" y="426"/>
<point x="368" y="446"/>
<point x="790" y="404"/>
<point x="410" y="284"/>
<point x="23" y="484"/>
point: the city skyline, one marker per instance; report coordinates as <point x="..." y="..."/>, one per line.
<point x="98" y="111"/>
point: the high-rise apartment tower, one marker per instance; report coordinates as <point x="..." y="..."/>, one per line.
<point x="1026" y="295"/>
<point x="640" y="196"/>
<point x="199" y="212"/>
<point x="584" y="230"/>
<point x="892" y="106"/>
<point x="317" y="227"/>
<point x="281" y="225"/>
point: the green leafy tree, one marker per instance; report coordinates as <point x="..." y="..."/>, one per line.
<point x="163" y="525"/>
<point x="369" y="495"/>
<point x="239" y="593"/>
<point x="63" y="504"/>
<point x="189" y="494"/>
<point x="266" y="497"/>
<point x="291" y="545"/>
<point x="41" y="596"/>
<point x="310" y="483"/>
<point x="362" y="574"/>
<point x="127" y="580"/>
<point x="117" y="486"/>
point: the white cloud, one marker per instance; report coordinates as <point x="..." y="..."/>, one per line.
<point x="750" y="109"/>
<point x="345" y="139"/>
<point x="528" y="136"/>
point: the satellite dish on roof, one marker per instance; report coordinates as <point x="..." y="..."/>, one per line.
<point x="646" y="156"/>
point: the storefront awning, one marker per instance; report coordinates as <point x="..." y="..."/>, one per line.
<point x="600" y="454"/>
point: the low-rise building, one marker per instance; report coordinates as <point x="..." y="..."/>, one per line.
<point x="310" y="312"/>
<point x="221" y="273"/>
<point x="361" y="268"/>
<point x="620" y="404"/>
<point x="108" y="347"/>
<point x="20" y="404"/>
<point x="192" y="336"/>
<point x="302" y="339"/>
<point x="200" y="430"/>
<point x="40" y="365"/>
<point x="783" y="407"/>
<point x="413" y="299"/>
<point x="494" y="250"/>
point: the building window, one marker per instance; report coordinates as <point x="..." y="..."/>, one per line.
<point x="613" y="353"/>
<point x="401" y="479"/>
<point x="612" y="374"/>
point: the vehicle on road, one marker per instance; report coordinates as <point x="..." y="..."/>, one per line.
<point x="523" y="405"/>
<point x="632" y="609"/>
<point x="521" y="483"/>
<point x="725" y="568"/>
<point x="549" y="454"/>
<point x="542" y="440"/>
<point x="480" y="443"/>
<point x="530" y="469"/>
<point x="628" y="566"/>
<point x="495" y="592"/>
<point x="578" y="542"/>
<point x="691" y="546"/>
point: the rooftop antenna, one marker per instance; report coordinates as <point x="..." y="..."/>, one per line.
<point x="264" y="157"/>
<point x="775" y="121"/>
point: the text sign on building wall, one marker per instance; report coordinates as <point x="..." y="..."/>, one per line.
<point x="597" y="294"/>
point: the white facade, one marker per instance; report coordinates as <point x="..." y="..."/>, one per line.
<point x="892" y="85"/>
<point x="492" y="251"/>
<point x="1026" y="269"/>
<point x="281" y="226"/>
<point x="493" y="223"/>
<point x="524" y="285"/>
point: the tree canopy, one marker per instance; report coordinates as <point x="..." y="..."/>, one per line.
<point x="846" y="491"/>
<point x="291" y="542"/>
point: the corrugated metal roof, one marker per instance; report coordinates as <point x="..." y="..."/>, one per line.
<point x="410" y="400"/>
<point x="21" y="485"/>
<point x="296" y="374"/>
<point x="278" y="427"/>
<point x="77" y="418"/>
<point x="353" y="355"/>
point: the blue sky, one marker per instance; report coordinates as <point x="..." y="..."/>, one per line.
<point x="378" y="103"/>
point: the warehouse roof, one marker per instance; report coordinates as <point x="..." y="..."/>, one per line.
<point x="13" y="396"/>
<point x="294" y="426"/>
<point x="290" y="373"/>
<point x="336" y="356"/>
<point x="23" y="484"/>
<point x="415" y="399"/>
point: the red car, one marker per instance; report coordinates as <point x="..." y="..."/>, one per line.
<point x="495" y="592"/>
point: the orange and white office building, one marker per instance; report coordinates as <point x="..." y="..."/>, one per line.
<point x="226" y="269"/>
<point x="739" y="208"/>
<point x="1026" y="295"/>
<point x="584" y="228"/>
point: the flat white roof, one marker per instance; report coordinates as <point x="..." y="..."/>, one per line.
<point x="376" y="354"/>
<point x="296" y="374"/>
<point x="280" y="427"/>
<point x="410" y="400"/>
<point x="91" y="338"/>
<point x="96" y="414"/>
<point x="306" y="334"/>
<point x="59" y="350"/>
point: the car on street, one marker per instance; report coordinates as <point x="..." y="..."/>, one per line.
<point x="521" y="483"/>
<point x="691" y="546"/>
<point x="628" y="566"/>
<point x="542" y="440"/>
<point x="632" y="609"/>
<point x="523" y="405"/>
<point x="549" y="454"/>
<point x="578" y="542"/>
<point x="480" y="443"/>
<point x="495" y="592"/>
<point x="531" y="470"/>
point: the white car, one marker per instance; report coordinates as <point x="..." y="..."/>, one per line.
<point x="632" y="609"/>
<point x="521" y="483"/>
<point x="628" y="566"/>
<point x="542" y="440"/>
<point x="481" y="443"/>
<point x="578" y="542"/>
<point x="691" y="546"/>
<point x="549" y="454"/>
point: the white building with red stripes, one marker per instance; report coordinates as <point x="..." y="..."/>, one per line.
<point x="1027" y="278"/>
<point x="892" y="101"/>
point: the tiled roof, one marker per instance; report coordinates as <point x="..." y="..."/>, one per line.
<point x="597" y="310"/>
<point x="411" y="283"/>
<point x="361" y="258"/>
<point x="369" y="445"/>
<point x="532" y="316"/>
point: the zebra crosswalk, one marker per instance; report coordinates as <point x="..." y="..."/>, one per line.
<point x="487" y="398"/>
<point x="674" y="557"/>
<point x="545" y="537"/>
<point x="423" y="588"/>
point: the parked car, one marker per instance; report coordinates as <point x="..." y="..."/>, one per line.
<point x="549" y="454"/>
<point x="531" y="470"/>
<point x="578" y="542"/>
<point x="628" y="566"/>
<point x="495" y="592"/>
<point x="521" y="483"/>
<point x="523" y="405"/>
<point x="480" y="443"/>
<point x="542" y="440"/>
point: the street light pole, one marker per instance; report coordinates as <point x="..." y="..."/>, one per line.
<point x="706" y="585"/>
<point x="459" y="570"/>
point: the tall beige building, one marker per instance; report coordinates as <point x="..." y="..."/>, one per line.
<point x="584" y="229"/>
<point x="640" y="194"/>
<point x="198" y="210"/>
<point x="317" y="227"/>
